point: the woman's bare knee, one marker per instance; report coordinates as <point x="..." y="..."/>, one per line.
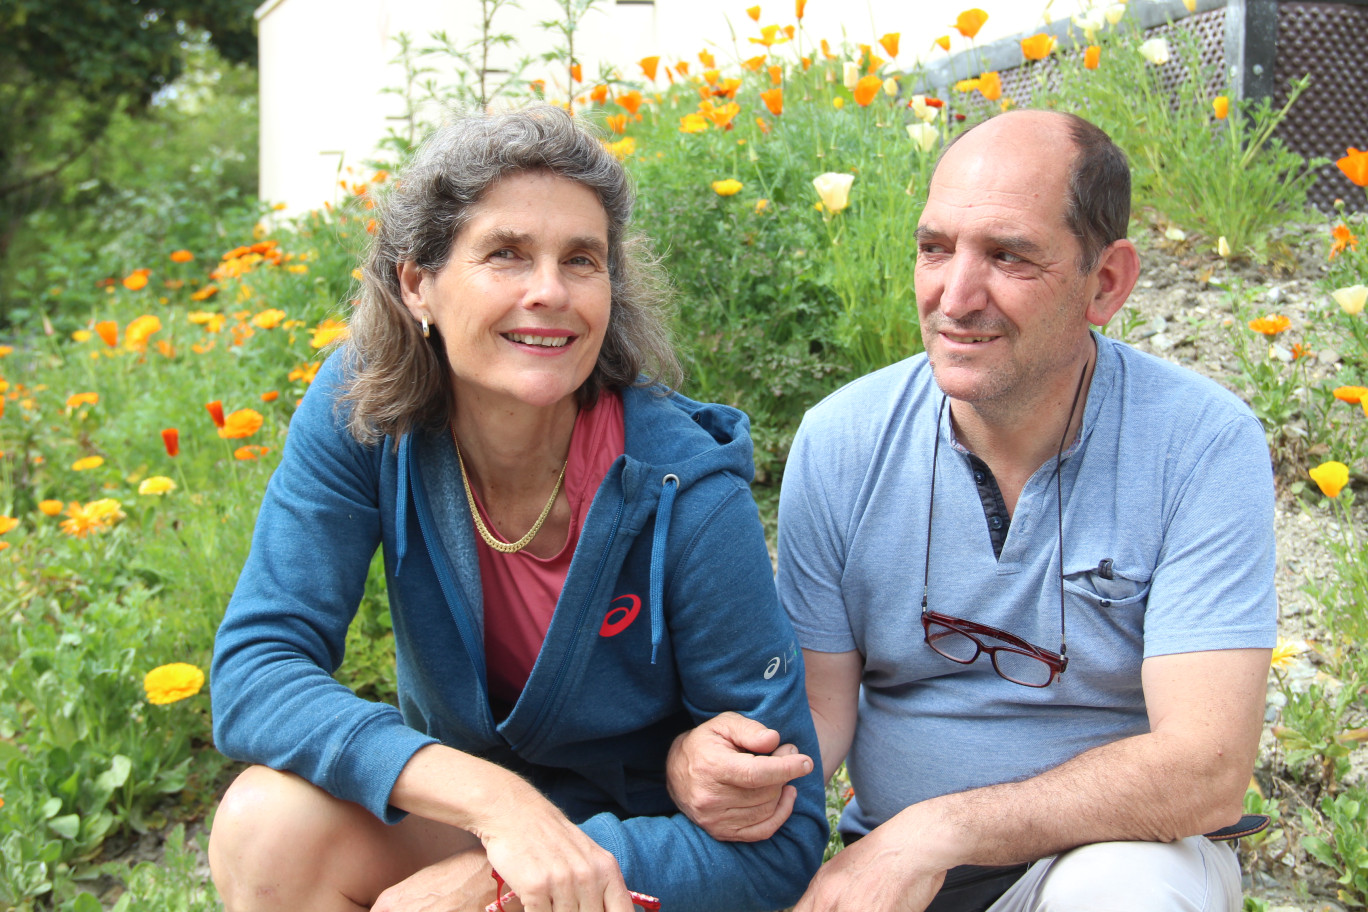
<point x="272" y="842"/>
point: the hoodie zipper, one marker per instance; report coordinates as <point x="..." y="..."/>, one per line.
<point x="536" y="727"/>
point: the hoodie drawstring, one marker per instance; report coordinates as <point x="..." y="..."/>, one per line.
<point x="670" y="487"/>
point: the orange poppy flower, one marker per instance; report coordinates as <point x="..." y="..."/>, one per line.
<point x="1355" y="166"/>
<point x="990" y="85"/>
<point x="182" y="256"/>
<point x="7" y="523"/>
<point x="1038" y="46"/>
<point x="799" y="7"/>
<point x="328" y="332"/>
<point x="87" y="463"/>
<point x="137" y="280"/>
<point x="205" y="293"/>
<point x="1220" y="105"/>
<point x="631" y="101"/>
<point x="1270" y="325"/>
<point x="108" y="331"/>
<point x="239" y="424"/>
<point x="682" y="68"/>
<point x="774" y="100"/>
<point x="866" y="89"/>
<point x="826" y="50"/>
<point x="769" y="36"/>
<point x="807" y="64"/>
<point x="616" y="122"/>
<point x="970" y="21"/>
<point x="76" y="400"/>
<point x="139" y="330"/>
<point x="305" y="372"/>
<point x="707" y="59"/>
<point x="943" y="42"/>
<point x="171" y="440"/>
<point x="576" y="73"/>
<point x="776" y="74"/>
<point x="1343" y="240"/>
<point x="270" y="396"/>
<point x="599" y="94"/>
<point x="753" y="12"/>
<point x="50" y="507"/>
<point x="649" y="65"/>
<point x="754" y="63"/>
<point x="693" y="123"/>
<point x="1092" y="57"/>
<point x="250" y="452"/>
<point x="215" y="412"/>
<point x="537" y="86"/>
<point x="889" y="43"/>
<point x="1351" y="394"/>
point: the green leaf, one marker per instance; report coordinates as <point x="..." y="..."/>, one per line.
<point x="66" y="826"/>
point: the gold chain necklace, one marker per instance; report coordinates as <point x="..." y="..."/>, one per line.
<point x="489" y="539"/>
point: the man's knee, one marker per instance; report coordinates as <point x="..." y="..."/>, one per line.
<point x="1190" y="875"/>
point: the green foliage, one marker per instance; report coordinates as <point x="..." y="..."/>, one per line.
<point x="1223" y="177"/>
<point x="1339" y="840"/>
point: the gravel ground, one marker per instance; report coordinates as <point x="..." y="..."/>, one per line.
<point x="1182" y="310"/>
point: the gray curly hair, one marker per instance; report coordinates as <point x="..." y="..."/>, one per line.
<point x="397" y="379"/>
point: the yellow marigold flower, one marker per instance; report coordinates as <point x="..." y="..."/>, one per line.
<point x="170" y="683"/>
<point x="242" y="423"/>
<point x="7" y="523"/>
<point x="157" y="484"/>
<point x="728" y="187"/>
<point x="1330" y="477"/>
<point x="96" y="516"/>
<point x="50" y="507"/>
<point x="181" y="256"/>
<point x="268" y="319"/>
<point x="297" y="268"/>
<point x="89" y="462"/>
<point x="137" y="280"/>
<point x="82" y="335"/>
<point x="6" y="350"/>
<point x="1270" y="325"/>
<point x="328" y="332"/>
<point x="76" y="400"/>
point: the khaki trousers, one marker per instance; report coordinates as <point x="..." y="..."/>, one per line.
<point x="1190" y="875"/>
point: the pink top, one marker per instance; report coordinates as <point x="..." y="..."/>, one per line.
<point x="520" y="589"/>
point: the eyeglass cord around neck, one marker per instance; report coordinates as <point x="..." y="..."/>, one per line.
<point x="1059" y="501"/>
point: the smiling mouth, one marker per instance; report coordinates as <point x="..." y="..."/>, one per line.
<point x="543" y="341"/>
<point x="970" y="339"/>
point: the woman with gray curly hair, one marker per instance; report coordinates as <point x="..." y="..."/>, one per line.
<point x="575" y="570"/>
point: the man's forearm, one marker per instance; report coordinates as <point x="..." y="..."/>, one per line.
<point x="1150" y="787"/>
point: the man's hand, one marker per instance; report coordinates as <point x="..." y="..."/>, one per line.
<point x="880" y="873"/>
<point x="729" y="776"/>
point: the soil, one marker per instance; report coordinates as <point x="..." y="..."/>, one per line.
<point x="1183" y="309"/>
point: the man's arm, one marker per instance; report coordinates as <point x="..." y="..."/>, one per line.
<point x="1186" y="776"/>
<point x="728" y="775"/>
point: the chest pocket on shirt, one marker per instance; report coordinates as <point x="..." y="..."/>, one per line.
<point x="1108" y="587"/>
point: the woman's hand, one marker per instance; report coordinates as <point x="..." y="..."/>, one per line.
<point x="543" y="857"/>
<point x="548" y="861"/>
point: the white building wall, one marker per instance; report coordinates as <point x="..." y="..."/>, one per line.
<point x="324" y="63"/>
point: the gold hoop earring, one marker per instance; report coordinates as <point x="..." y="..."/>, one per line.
<point x="427" y="331"/>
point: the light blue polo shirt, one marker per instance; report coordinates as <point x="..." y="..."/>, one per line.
<point x="1169" y="480"/>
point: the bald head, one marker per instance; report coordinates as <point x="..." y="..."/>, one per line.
<point x="1093" y="170"/>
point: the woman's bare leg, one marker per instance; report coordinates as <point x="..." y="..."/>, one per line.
<point x="279" y="842"/>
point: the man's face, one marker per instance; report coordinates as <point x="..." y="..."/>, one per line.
<point x="1002" y="304"/>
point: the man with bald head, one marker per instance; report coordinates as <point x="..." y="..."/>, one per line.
<point x="1031" y="571"/>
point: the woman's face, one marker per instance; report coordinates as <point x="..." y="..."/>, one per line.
<point x="522" y="304"/>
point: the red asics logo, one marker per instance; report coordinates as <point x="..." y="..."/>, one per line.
<point x="620" y="616"/>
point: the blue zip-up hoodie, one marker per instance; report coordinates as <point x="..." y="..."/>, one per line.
<point x="668" y="616"/>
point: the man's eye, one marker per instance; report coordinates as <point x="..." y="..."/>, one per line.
<point x="1009" y="257"/>
<point x="503" y="253"/>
